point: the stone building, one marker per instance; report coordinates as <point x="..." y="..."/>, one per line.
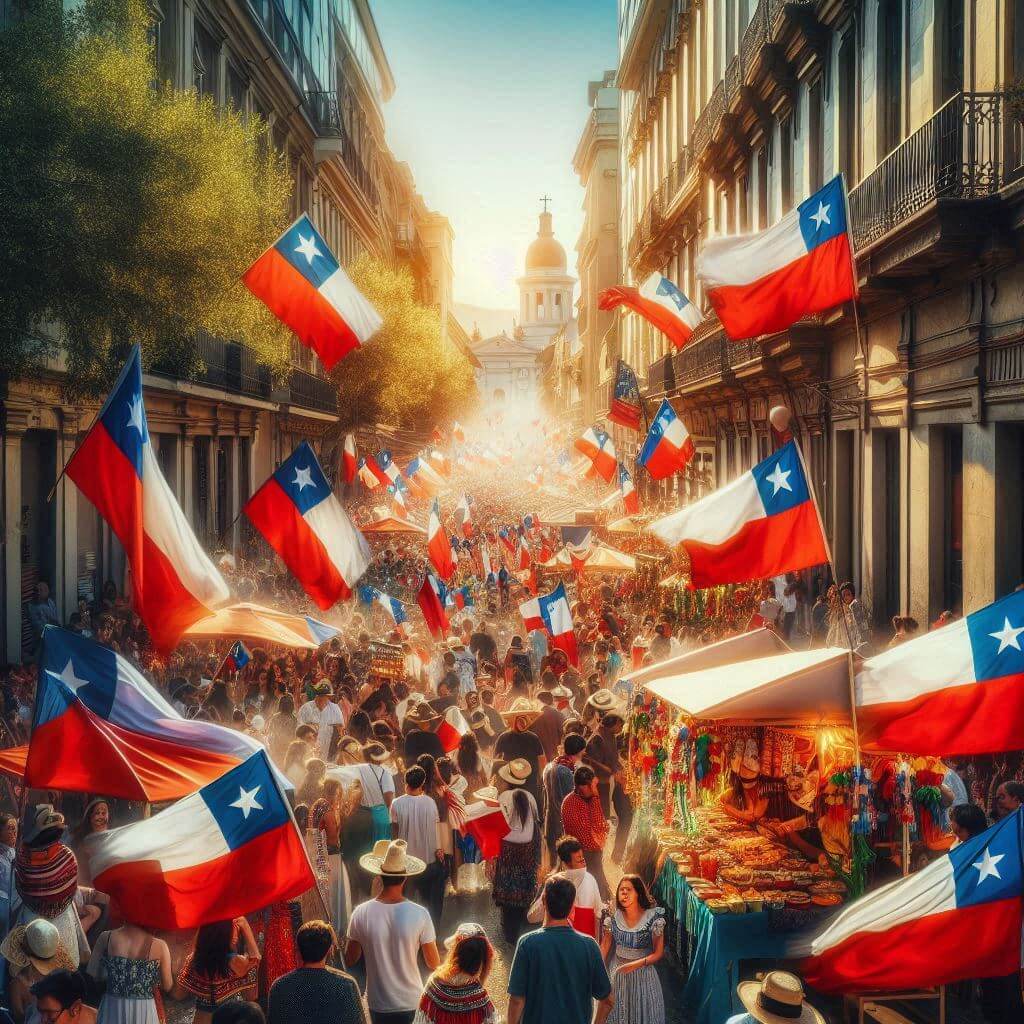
<point x="910" y="415"/>
<point x="545" y="289"/>
<point x="317" y="73"/>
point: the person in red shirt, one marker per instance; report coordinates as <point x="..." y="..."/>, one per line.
<point x="583" y="819"/>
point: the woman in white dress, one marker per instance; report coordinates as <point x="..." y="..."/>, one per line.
<point x="136" y="968"/>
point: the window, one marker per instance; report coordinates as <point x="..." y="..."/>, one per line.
<point x="786" y="163"/>
<point x="539" y="306"/>
<point x="890" y="21"/>
<point x="237" y="89"/>
<point x="204" y="63"/>
<point x="953" y="48"/>
<point x="847" y="72"/>
<point x="815" y="142"/>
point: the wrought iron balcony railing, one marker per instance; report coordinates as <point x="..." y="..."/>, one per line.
<point x="312" y="392"/>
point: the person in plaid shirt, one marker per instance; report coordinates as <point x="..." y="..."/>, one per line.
<point x="583" y="819"/>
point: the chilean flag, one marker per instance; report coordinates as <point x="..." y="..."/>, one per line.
<point x="227" y="850"/>
<point x="398" y="507"/>
<point x="237" y="658"/>
<point x="668" y="446"/>
<point x="957" y="690"/>
<point x="349" y="459"/>
<point x="763" y="283"/>
<point x="625" y="405"/>
<point x="428" y="478"/>
<point x="302" y="520"/>
<point x="599" y="448"/>
<point x="392" y="476"/>
<point x="461" y="598"/>
<point x="452" y="728"/>
<point x="439" y="548"/>
<point x="762" y="524"/>
<point x="551" y="613"/>
<point x="957" y="918"/>
<point x="302" y="284"/>
<point x="486" y="823"/>
<point x="431" y="599"/>
<point x="101" y="727"/>
<point x="630" y="499"/>
<point x="394" y="607"/>
<point x="174" y="583"/>
<point x="464" y="517"/>
<point x="660" y="303"/>
<point x="367" y="477"/>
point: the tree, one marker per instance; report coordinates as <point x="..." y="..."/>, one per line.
<point x="404" y="375"/>
<point x="128" y="211"/>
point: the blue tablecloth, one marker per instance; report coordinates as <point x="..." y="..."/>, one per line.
<point x="715" y="945"/>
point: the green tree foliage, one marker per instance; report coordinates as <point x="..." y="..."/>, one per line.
<point x="405" y="375"/>
<point x="128" y="211"/>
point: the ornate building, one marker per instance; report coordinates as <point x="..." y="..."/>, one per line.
<point x="545" y="289"/>
<point x="911" y="415"/>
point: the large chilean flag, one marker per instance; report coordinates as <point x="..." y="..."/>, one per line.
<point x="763" y="283"/>
<point x="302" y="284"/>
<point x="957" y="918"/>
<point x="227" y="850"/>
<point x="762" y="524"/>
<point x="101" y="727"/>
<point x="660" y="303"/>
<point x="174" y="583"/>
<point x="432" y="597"/>
<point x="303" y="521"/>
<point x="957" y="690"/>
<point x="349" y="459"/>
<point x="668" y="446"/>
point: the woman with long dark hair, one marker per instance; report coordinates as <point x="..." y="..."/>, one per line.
<point x="515" y="872"/>
<point x="221" y="966"/>
<point x="456" y="992"/>
<point x="636" y="932"/>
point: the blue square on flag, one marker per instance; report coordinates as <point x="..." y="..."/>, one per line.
<point x="997" y="638"/>
<point x="780" y="480"/>
<point x="988" y="867"/>
<point x="303" y="247"/>
<point x="302" y="479"/>
<point x="245" y="802"/>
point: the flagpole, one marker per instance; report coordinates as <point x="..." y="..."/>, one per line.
<point x="842" y="610"/>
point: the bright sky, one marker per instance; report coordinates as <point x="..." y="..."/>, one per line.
<point x="490" y="103"/>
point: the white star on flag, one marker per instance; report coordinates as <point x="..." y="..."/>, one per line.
<point x="70" y="680"/>
<point x="247" y="801"/>
<point x="307" y="246"/>
<point x="820" y="215"/>
<point x="779" y="479"/>
<point x="987" y="865"/>
<point x="303" y="478"/>
<point x="1007" y="636"/>
<point x="135" y="413"/>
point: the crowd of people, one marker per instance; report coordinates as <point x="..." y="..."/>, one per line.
<point x="384" y="802"/>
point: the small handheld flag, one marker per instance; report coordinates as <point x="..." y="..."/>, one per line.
<point x="349" y="462"/>
<point x="237" y="658"/>
<point x="299" y="280"/>
<point x="439" y="547"/>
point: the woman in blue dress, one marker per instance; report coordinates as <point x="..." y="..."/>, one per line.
<point x="635" y="932"/>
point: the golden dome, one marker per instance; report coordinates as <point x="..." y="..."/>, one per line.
<point x="544" y="252"/>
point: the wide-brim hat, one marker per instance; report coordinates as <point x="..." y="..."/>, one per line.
<point x="478" y="720"/>
<point x="392" y="857"/>
<point x="561" y="693"/>
<point x="421" y="713"/>
<point x="522" y="707"/>
<point x="605" y="701"/>
<point x="376" y="753"/>
<point x="466" y="930"/>
<point x="349" y="746"/>
<point x="778" y="999"/>
<point x="489" y="794"/>
<point x="323" y="689"/>
<point x="516" y="772"/>
<point x="37" y="943"/>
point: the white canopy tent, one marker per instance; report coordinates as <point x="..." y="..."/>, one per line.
<point x="805" y="687"/>
<point x="758" y="643"/>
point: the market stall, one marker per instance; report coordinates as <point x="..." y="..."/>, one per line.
<point x="745" y="767"/>
<point x="600" y="559"/>
<point x="248" y="621"/>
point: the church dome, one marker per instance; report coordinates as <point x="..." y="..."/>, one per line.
<point x="545" y="253"/>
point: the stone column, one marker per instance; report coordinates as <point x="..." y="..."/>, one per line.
<point x="212" y="488"/>
<point x="926" y="568"/>
<point x="12" y="539"/>
<point x="234" y="493"/>
<point x="66" y="584"/>
<point x="188" y="471"/>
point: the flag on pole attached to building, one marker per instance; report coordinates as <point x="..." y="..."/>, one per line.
<point x="598" y="446"/>
<point x="301" y="518"/>
<point x="955" y="690"/>
<point x="765" y="282"/>
<point x="668" y="446"/>
<point x="225" y="851"/>
<point x="303" y="285"/>
<point x="660" y="303"/>
<point x="625" y="406"/>
<point x="630" y="499"/>
<point x="762" y="524"/>
<point x="174" y="583"/>
<point x="349" y="459"/>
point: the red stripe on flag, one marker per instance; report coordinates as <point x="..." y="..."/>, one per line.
<point x="666" y="460"/>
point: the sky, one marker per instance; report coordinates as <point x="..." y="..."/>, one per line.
<point x="491" y="100"/>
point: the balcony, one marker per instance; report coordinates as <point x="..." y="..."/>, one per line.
<point x="701" y="360"/>
<point x="225" y="365"/>
<point x="312" y="392"/>
<point x="325" y="113"/>
<point x="333" y="140"/>
<point x="661" y="376"/>
<point x="951" y="169"/>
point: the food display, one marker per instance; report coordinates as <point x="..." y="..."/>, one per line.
<point x="734" y="870"/>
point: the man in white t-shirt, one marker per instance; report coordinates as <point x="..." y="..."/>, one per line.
<point x="414" y="817"/>
<point x="324" y="714"/>
<point x="588" y="906"/>
<point x="390" y="932"/>
<point x="786" y="589"/>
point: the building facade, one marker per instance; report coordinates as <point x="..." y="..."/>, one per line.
<point x="596" y="163"/>
<point x="910" y="413"/>
<point x="545" y="289"/>
<point x="507" y="370"/>
<point x="317" y="73"/>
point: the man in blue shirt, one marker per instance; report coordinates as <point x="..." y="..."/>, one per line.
<point x="557" y="950"/>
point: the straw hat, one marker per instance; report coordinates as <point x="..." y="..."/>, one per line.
<point x="561" y="692"/>
<point x="38" y="943"/>
<point x="391" y="857"/>
<point x="605" y="701"/>
<point x="522" y="707"/>
<point x="478" y="720"/>
<point x="323" y="689"/>
<point x="349" y="746"/>
<point x="516" y="772"/>
<point x="421" y="713"/>
<point x="375" y="753"/>
<point x="489" y="794"/>
<point x="778" y="999"/>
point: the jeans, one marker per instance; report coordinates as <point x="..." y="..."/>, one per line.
<point x="624" y="812"/>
